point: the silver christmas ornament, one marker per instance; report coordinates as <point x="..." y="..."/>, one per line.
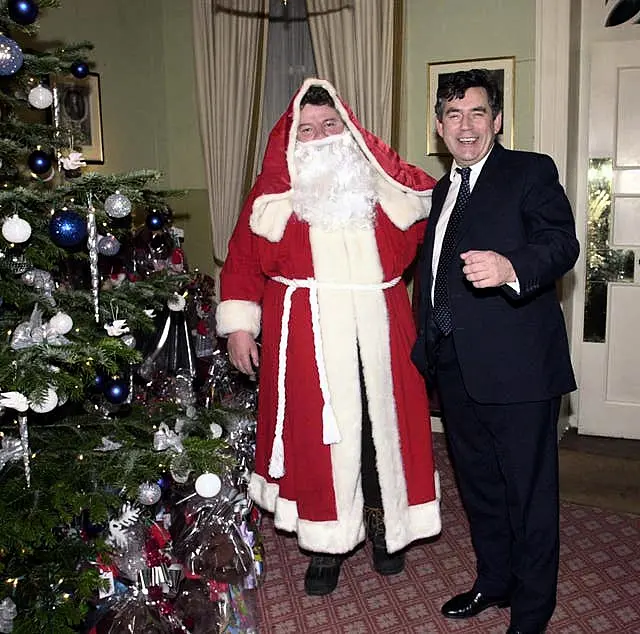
<point x="149" y="493"/>
<point x="40" y="97"/>
<point x="61" y="323"/>
<point x="117" y="205"/>
<point x="108" y="245"/>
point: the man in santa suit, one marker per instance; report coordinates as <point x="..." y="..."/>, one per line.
<point x="314" y="268"/>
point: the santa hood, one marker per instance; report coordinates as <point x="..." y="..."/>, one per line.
<point x="404" y="191"/>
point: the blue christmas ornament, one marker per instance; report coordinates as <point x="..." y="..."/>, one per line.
<point x="99" y="381"/>
<point x="11" y="56"/>
<point x="23" y="11"/>
<point x="154" y="220"/>
<point x="79" y="69"/>
<point x="39" y="162"/>
<point x="67" y="228"/>
<point x="116" y="391"/>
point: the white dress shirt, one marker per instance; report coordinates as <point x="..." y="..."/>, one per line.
<point x="445" y="214"/>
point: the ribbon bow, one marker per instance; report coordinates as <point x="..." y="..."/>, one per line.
<point x="166" y="438"/>
<point x="8" y="612"/>
<point x="34" y="332"/>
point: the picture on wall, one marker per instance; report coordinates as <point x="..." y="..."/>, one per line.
<point x="503" y="69"/>
<point x="77" y="110"/>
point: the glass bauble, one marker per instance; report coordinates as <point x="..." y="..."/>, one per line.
<point x="23" y="11"/>
<point x="117" y="205"/>
<point x="11" y="56"/>
<point x="67" y="228"/>
<point x="40" y="97"/>
<point x="16" y="230"/>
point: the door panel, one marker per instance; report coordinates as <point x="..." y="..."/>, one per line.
<point x="610" y="360"/>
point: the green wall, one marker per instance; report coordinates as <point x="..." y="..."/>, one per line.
<point x="448" y="30"/>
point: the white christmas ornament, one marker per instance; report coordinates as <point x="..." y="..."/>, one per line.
<point x="117" y="327"/>
<point x="48" y="404"/>
<point x="16" y="230"/>
<point x="61" y="323"/>
<point x="208" y="485"/>
<point x="117" y="205"/>
<point x="216" y="430"/>
<point x="40" y="97"/>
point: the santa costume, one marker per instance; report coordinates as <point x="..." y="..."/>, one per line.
<point x="332" y="310"/>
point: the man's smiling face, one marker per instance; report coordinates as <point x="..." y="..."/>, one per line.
<point x="468" y="127"/>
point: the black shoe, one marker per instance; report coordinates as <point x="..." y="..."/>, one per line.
<point x="383" y="563"/>
<point x="516" y="630"/>
<point x="468" y="604"/>
<point x="322" y="575"/>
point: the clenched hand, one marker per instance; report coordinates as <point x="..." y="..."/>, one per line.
<point x="486" y="269"/>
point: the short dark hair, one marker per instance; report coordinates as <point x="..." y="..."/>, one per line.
<point x="455" y="85"/>
<point x="317" y="96"/>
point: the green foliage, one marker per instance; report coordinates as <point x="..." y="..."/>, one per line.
<point x="47" y="559"/>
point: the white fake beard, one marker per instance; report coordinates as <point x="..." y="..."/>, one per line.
<point x="334" y="184"/>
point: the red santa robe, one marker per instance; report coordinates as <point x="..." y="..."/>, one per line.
<point x="349" y="279"/>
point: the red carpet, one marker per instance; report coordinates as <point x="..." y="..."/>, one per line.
<point x="599" y="585"/>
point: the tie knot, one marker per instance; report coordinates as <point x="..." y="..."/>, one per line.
<point x="464" y="172"/>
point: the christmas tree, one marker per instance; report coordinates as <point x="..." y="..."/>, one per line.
<point x="105" y="427"/>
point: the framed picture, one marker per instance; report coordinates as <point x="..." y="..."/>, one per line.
<point x="503" y="69"/>
<point x="77" y="111"/>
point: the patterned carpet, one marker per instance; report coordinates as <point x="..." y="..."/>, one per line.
<point x="599" y="585"/>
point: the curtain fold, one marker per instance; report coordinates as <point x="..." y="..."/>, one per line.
<point x="229" y="41"/>
<point x="290" y="60"/>
<point x="354" y="48"/>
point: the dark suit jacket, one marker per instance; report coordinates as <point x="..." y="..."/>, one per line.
<point x="511" y="348"/>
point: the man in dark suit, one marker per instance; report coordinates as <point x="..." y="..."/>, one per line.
<point x="493" y="338"/>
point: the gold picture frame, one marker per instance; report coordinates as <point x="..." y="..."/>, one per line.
<point x="77" y="111"/>
<point x="504" y="70"/>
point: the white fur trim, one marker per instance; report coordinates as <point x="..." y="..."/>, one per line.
<point x="238" y="314"/>
<point x="418" y="521"/>
<point x="270" y="214"/>
<point x="404" y="208"/>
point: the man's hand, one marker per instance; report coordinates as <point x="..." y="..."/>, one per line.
<point x="486" y="269"/>
<point x="243" y="352"/>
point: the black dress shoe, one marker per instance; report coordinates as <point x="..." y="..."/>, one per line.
<point x="468" y="604"/>
<point x="322" y="574"/>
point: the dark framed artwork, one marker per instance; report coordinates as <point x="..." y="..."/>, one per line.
<point x="503" y="68"/>
<point x="77" y="111"/>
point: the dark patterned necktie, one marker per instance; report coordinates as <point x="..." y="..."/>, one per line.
<point x="441" y="308"/>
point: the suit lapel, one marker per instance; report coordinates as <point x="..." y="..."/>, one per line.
<point x="486" y="186"/>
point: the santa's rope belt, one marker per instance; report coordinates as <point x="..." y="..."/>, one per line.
<point x="330" y="431"/>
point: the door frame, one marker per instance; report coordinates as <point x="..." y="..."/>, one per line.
<point x="559" y="119"/>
